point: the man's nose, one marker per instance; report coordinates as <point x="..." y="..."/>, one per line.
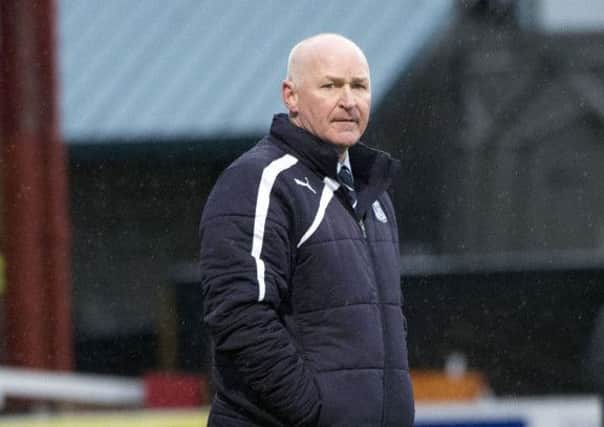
<point x="347" y="99"/>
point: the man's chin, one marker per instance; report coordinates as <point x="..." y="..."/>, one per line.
<point x="346" y="140"/>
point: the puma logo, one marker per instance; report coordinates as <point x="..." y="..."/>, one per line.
<point x="305" y="184"/>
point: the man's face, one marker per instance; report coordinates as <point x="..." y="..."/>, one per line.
<point x="332" y="96"/>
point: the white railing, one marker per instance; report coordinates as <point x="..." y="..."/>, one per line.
<point x="71" y="387"/>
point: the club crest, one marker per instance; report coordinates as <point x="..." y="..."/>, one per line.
<point x="379" y="212"/>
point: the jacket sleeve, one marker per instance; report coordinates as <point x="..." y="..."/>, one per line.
<point x="242" y="285"/>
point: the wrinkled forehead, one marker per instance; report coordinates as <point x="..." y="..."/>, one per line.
<point x="343" y="64"/>
<point x="327" y="54"/>
<point x="338" y="59"/>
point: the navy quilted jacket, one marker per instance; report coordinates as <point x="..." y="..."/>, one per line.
<point x="301" y="296"/>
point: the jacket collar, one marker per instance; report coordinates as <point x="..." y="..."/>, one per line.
<point x="373" y="169"/>
<point x="319" y="155"/>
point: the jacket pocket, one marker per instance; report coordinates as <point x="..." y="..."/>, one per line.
<point x="351" y="397"/>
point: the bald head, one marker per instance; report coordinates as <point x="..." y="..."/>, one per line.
<point x="327" y="90"/>
<point x="303" y="54"/>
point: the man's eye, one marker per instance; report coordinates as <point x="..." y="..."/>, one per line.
<point x="328" y="86"/>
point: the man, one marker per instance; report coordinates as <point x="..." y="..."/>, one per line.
<point x="300" y="261"/>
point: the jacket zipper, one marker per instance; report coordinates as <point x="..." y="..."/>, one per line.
<point x="360" y="222"/>
<point x="362" y="226"/>
<point x="378" y="293"/>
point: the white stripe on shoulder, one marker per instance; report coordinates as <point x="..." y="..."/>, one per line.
<point x="269" y="175"/>
<point x="326" y="195"/>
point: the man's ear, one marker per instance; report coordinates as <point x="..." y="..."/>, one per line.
<point x="289" y="96"/>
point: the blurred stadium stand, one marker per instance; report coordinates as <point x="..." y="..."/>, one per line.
<point x="494" y="107"/>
